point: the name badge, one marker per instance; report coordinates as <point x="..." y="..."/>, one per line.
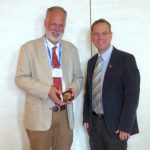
<point x="57" y="72"/>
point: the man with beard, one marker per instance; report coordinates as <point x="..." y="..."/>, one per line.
<point x="47" y="67"/>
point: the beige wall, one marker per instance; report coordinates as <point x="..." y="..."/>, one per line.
<point x="23" y="20"/>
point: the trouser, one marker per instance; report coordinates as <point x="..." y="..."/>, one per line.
<point x="58" y="137"/>
<point x="100" y="139"/>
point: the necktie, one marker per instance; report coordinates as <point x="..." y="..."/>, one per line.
<point x="97" y="91"/>
<point x="56" y="80"/>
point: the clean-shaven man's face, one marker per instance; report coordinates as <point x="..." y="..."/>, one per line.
<point x="101" y="36"/>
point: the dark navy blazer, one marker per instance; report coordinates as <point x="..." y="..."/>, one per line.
<point x="120" y="92"/>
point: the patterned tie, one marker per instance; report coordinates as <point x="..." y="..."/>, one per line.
<point x="97" y="93"/>
<point x="56" y="80"/>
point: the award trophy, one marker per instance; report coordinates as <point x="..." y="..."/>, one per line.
<point x="66" y="96"/>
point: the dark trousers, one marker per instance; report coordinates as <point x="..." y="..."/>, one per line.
<point x="100" y="139"/>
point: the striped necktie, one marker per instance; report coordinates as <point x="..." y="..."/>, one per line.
<point x="96" y="87"/>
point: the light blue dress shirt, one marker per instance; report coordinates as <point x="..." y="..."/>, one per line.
<point x="106" y="57"/>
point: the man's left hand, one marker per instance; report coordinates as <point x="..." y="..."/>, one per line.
<point x="123" y="135"/>
<point x="73" y="91"/>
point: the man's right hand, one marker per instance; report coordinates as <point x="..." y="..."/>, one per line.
<point x="86" y="126"/>
<point x="53" y="95"/>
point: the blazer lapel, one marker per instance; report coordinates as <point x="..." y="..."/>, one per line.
<point x="43" y="57"/>
<point x="92" y="65"/>
<point x="65" y="58"/>
<point x="110" y="66"/>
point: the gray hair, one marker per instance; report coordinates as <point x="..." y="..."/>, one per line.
<point x="50" y="9"/>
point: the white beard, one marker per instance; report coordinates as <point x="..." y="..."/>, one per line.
<point x="52" y="38"/>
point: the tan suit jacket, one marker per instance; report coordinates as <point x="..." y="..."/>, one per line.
<point x="34" y="76"/>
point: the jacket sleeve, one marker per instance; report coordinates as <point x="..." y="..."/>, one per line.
<point x="131" y="94"/>
<point x="77" y="79"/>
<point x="24" y="79"/>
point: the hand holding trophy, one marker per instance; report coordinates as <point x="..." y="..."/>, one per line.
<point x="66" y="96"/>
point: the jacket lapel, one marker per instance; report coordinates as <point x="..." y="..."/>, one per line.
<point x="110" y="66"/>
<point x="92" y="65"/>
<point x="43" y="56"/>
<point x="64" y="60"/>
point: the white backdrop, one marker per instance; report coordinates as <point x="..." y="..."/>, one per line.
<point x="22" y="20"/>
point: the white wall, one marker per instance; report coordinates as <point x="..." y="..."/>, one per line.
<point x="131" y="32"/>
<point x="23" y="20"/>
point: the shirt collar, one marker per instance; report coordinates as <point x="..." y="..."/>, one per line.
<point x="51" y="45"/>
<point x="107" y="53"/>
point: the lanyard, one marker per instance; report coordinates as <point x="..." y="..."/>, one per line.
<point x="50" y="55"/>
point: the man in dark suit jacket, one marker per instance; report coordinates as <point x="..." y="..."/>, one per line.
<point x="110" y="127"/>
